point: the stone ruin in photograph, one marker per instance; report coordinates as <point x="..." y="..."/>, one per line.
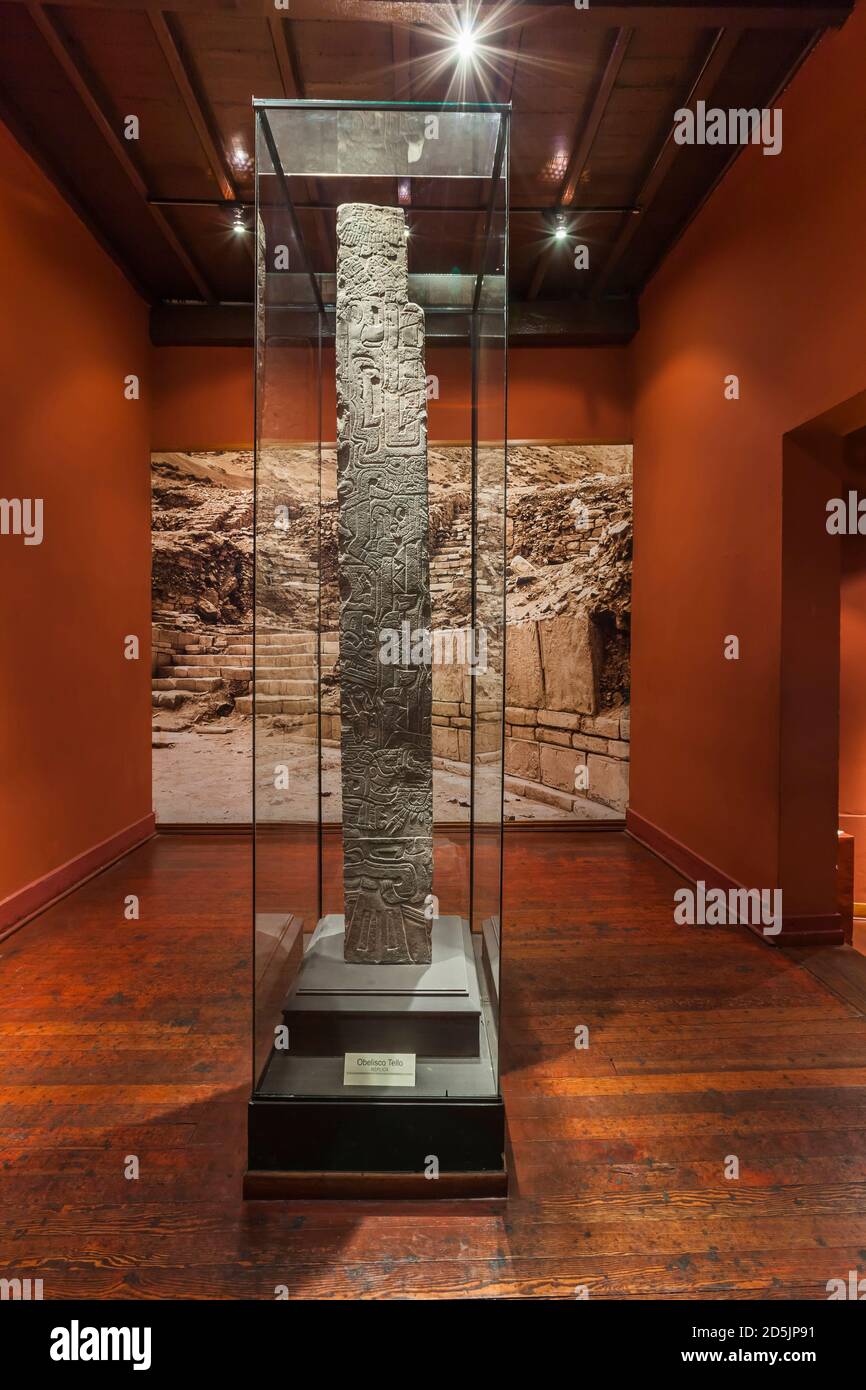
<point x="568" y="574"/>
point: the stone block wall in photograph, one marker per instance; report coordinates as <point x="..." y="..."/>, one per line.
<point x="568" y="579"/>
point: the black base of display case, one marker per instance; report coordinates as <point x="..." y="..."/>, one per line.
<point x="309" y="1147"/>
<point x="262" y="1186"/>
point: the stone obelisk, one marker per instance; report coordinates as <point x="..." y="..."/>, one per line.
<point x="386" y="744"/>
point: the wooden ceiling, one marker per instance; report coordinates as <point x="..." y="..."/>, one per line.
<point x="593" y="94"/>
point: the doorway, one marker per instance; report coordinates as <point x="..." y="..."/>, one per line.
<point x="822" y="769"/>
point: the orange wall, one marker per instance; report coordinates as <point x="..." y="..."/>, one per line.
<point x="203" y="397"/>
<point x="767" y="283"/>
<point x="852" y="704"/>
<point x="74" y="734"/>
<point x="580" y="394"/>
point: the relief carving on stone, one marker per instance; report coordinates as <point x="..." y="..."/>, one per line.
<point x="384" y="583"/>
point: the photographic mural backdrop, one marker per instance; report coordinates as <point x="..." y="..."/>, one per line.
<point x="569" y="537"/>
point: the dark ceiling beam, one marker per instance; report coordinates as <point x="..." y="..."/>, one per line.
<point x="189" y="87"/>
<point x="66" y="52"/>
<point x="286" y="54"/>
<point x="734" y="151"/>
<point x="187" y="84"/>
<point x="522" y="209"/>
<point x="584" y="141"/>
<point x="15" y="122"/>
<point x="692" y="14"/>
<point x="508" y="54"/>
<point x="541" y="324"/>
<point x="287" y="60"/>
<point x="721" y="48"/>
<point x="583" y="148"/>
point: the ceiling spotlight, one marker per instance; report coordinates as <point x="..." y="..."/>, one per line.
<point x="465" y="43"/>
<point x="560" y="231"/>
<point x="239" y="226"/>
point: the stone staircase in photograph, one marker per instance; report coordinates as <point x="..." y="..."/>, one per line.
<point x="451" y="571"/>
<point x="199" y="668"/>
<point x="450" y="562"/>
<point x="285" y="680"/>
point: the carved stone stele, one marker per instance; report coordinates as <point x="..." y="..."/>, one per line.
<point x="384" y="589"/>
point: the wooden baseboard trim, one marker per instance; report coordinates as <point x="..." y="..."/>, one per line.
<point x="444" y="827"/>
<point x="797" y="930"/>
<point x="674" y="853"/>
<point x="21" y="907"/>
<point x="195" y="827"/>
<point x="276" y="1186"/>
<point x="581" y="827"/>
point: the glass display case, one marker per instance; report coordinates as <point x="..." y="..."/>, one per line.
<point x="379" y="648"/>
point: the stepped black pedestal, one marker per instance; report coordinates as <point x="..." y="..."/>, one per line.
<point x="310" y="1135"/>
<point x="337" y="1006"/>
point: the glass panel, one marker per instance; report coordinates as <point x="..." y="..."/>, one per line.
<point x="314" y="1009"/>
<point x="383" y="142"/>
<point x="286" y="658"/>
<point x="490" y="338"/>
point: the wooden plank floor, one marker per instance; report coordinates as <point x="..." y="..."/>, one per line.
<point x="132" y="1038"/>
